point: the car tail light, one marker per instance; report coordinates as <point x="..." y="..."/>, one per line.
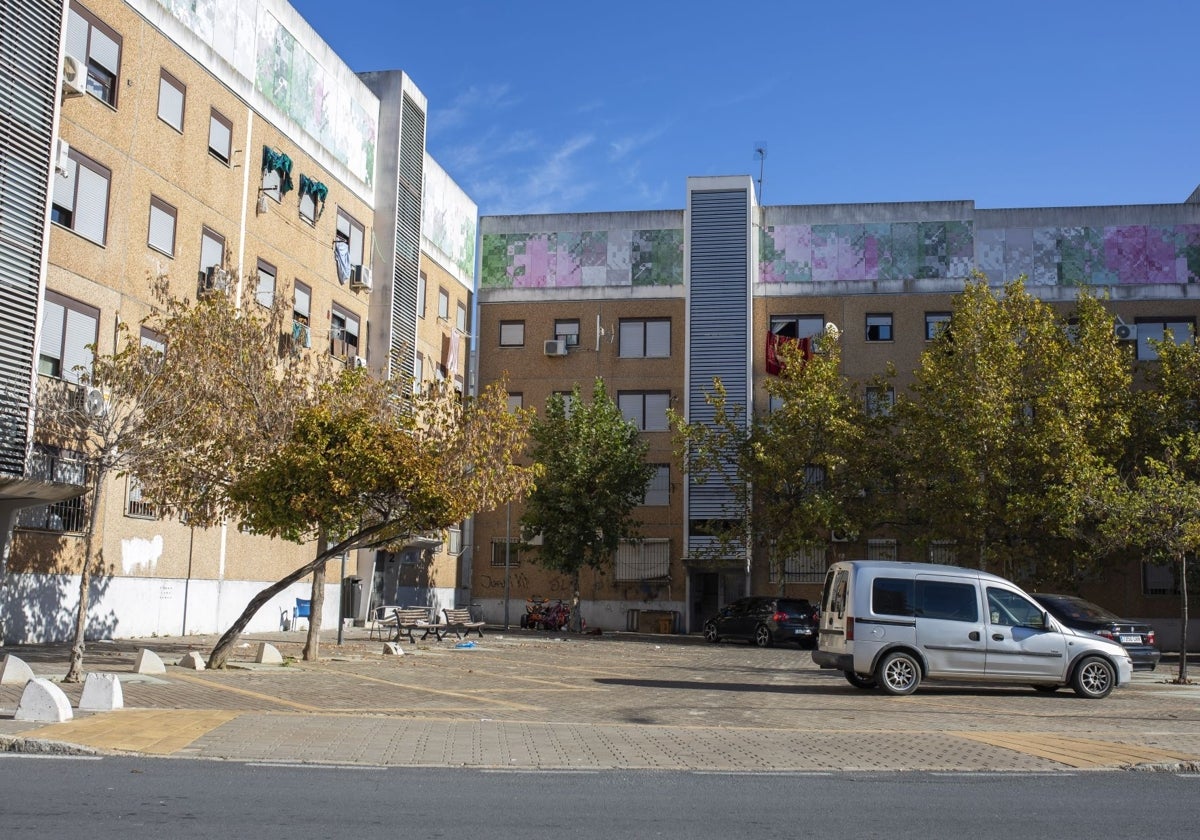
<point x="849" y="628"/>
<point x="1108" y="634"/>
<point x="1150" y="638"/>
<point x="780" y="617"/>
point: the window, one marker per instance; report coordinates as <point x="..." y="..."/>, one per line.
<point x="515" y="401"/>
<point x="1160" y="578"/>
<point x="212" y="250"/>
<point x="171" y="96"/>
<point x="418" y="372"/>
<point x="644" y="339"/>
<point x="647" y="410"/>
<point x="658" y="491"/>
<point x="264" y="292"/>
<point x="807" y="565"/>
<point x="350" y="231"/>
<point x="879" y="327"/>
<point x="460" y="317"/>
<point x="49" y="463"/>
<point x="1182" y="330"/>
<point x="421" y="295"/>
<point x="81" y="198"/>
<point x="567" y="331"/>
<point x="879" y="400"/>
<point x="68" y="328"/>
<point x="162" y="226"/>
<point x="944" y="552"/>
<point x="935" y="322"/>
<point x="1008" y="609"/>
<point x="454" y="546"/>
<point x="947" y="601"/>
<point x="506" y="553"/>
<point x="99" y="46"/>
<point x="220" y="136"/>
<point x="512" y="333"/>
<point x="881" y="549"/>
<point x="893" y="596"/>
<point x="135" y="505"/>
<point x="443" y="305"/>
<point x="343" y="333"/>
<point x="302" y="303"/>
<point x="797" y="326"/>
<point x="642" y="560"/>
<point x="153" y="340"/>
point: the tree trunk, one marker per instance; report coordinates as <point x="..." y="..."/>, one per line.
<point x="1183" y="618"/>
<point x="220" y="652"/>
<point x="312" y="642"/>
<point x="575" y="619"/>
<point x="79" y="643"/>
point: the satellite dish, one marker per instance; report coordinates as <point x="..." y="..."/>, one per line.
<point x="94" y="403"/>
<point x="831" y="330"/>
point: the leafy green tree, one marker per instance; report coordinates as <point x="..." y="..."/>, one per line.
<point x="799" y="471"/>
<point x="295" y="448"/>
<point x="593" y="469"/>
<point x="1014" y="417"/>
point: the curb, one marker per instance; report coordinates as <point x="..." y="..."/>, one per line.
<point x="33" y="746"/>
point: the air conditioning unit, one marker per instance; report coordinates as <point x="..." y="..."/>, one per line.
<point x="216" y="279"/>
<point x="90" y="401"/>
<point x="360" y="278"/>
<point x="359" y="362"/>
<point x="1125" y="332"/>
<point x="841" y="535"/>
<point x="74" y="76"/>
<point x="556" y="347"/>
<point x="62" y="160"/>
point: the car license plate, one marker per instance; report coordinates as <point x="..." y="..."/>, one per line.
<point x="1131" y="640"/>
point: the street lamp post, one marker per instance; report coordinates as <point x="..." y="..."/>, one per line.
<point x="507" y="556"/>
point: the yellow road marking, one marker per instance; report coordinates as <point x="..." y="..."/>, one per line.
<point x="1075" y="752"/>
<point x="152" y="731"/>
<point x="459" y="695"/>
<point x="245" y="692"/>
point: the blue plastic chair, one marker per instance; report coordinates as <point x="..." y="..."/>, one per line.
<point x="303" y="609"/>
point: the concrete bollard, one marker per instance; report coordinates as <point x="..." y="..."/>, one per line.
<point x="101" y="693"/>
<point x="42" y="700"/>
<point x="192" y="659"/>
<point x="14" y="671"/>
<point x="148" y="662"/>
<point x="268" y="654"/>
<point x="392" y="649"/>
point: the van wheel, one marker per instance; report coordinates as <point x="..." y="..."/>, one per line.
<point x="710" y="632"/>
<point x="899" y="673"/>
<point x="762" y="636"/>
<point x="860" y="680"/>
<point x="1094" y="678"/>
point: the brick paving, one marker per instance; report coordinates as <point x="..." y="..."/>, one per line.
<point x="525" y="700"/>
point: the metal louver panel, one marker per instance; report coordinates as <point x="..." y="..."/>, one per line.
<point x="718" y="325"/>
<point x="409" y="183"/>
<point x="30" y="61"/>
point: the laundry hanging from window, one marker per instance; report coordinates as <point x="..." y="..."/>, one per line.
<point x="274" y="161"/>
<point x="775" y="362"/>
<point x="341" y="255"/>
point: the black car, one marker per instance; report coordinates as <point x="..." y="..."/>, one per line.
<point x="765" y="621"/>
<point x="1076" y="613"/>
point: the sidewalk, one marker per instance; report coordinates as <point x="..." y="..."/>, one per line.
<point x="524" y="699"/>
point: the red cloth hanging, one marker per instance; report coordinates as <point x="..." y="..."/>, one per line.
<point x="774" y="359"/>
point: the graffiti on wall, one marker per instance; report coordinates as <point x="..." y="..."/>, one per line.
<point x="883" y="251"/>
<point x="448" y="219"/>
<point x="582" y="258"/>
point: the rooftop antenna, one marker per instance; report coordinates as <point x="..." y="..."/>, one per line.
<point x="760" y="155"/>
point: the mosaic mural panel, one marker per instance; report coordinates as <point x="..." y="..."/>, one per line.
<point x="581" y="258"/>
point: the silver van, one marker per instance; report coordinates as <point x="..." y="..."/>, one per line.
<point x="890" y="625"/>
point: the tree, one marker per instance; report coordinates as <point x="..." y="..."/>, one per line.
<point x="1014" y="417"/>
<point x="593" y="474"/>
<point x="797" y="472"/>
<point x="293" y="447"/>
<point x="107" y="419"/>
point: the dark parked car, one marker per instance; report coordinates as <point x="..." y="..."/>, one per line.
<point x="765" y="621"/>
<point x="1137" y="638"/>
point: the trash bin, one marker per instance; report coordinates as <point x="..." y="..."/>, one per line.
<point x="351" y="597"/>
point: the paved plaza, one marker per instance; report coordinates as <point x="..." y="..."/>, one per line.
<point x="526" y="700"/>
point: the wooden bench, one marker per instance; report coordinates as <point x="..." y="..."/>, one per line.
<point x="459" y="622"/>
<point x="382" y="619"/>
<point x="411" y="619"/>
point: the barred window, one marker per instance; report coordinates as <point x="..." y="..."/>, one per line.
<point x="49" y="463"/>
<point x="505" y="548"/>
<point x="1158" y="579"/>
<point x="135" y="505"/>
<point x="808" y="565"/>
<point x="642" y="560"/>
<point x="944" y="552"/>
<point x="881" y="550"/>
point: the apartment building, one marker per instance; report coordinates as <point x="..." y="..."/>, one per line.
<point x="660" y="303"/>
<point x="225" y="147"/>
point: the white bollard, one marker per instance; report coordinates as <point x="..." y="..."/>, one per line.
<point x="392" y="649"/>
<point x="192" y="659"/>
<point x="14" y="671"/>
<point x="268" y="654"/>
<point x="43" y="700"/>
<point x="101" y="693"/>
<point x="148" y="662"/>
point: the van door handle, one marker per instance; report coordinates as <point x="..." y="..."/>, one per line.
<point x="999" y="637"/>
<point x="973" y="635"/>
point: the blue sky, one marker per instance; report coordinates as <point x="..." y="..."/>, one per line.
<point x="541" y="106"/>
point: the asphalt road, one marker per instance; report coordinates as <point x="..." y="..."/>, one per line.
<point x="123" y="797"/>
